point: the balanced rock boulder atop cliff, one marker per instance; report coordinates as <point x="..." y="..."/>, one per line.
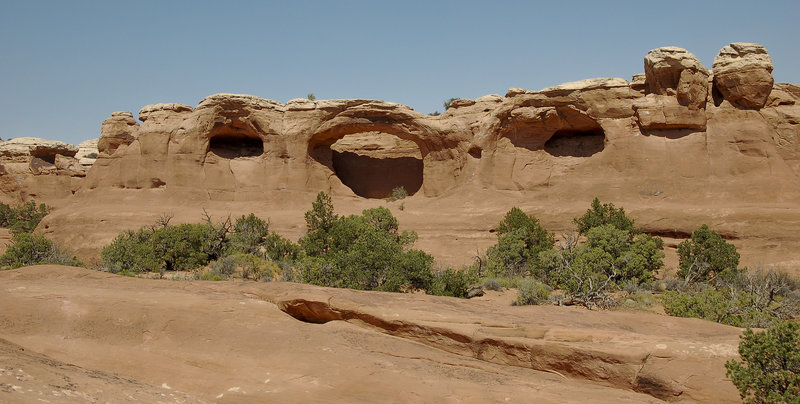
<point x="743" y="74"/>
<point x="117" y="130"/>
<point x="675" y="71"/>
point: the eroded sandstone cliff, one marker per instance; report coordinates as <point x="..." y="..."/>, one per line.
<point x="677" y="146"/>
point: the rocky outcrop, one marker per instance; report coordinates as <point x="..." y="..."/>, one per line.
<point x="34" y="168"/>
<point x="675" y="71"/>
<point x="647" y="358"/>
<point x="87" y="152"/>
<point x="743" y="74"/>
<point x="26" y="147"/>
<point x="375" y="347"/>
<point x="656" y="145"/>
<point x="117" y="130"/>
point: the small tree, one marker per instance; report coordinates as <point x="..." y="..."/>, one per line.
<point x="705" y="255"/>
<point x="601" y="214"/>
<point x="319" y="222"/>
<point x="446" y="104"/>
<point x="31" y="249"/>
<point x="520" y="240"/>
<point x="311" y="96"/>
<point x="769" y="371"/>
<point x="249" y="234"/>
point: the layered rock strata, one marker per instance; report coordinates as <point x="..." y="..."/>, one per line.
<point x="678" y="146"/>
<point x="34" y="168"/>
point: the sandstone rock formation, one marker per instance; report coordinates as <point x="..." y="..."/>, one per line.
<point x="117" y="130"/>
<point x="743" y="74"/>
<point x="34" y="168"/>
<point x="660" y="145"/>
<point x="675" y="71"/>
<point x="87" y="153"/>
<point x="285" y="342"/>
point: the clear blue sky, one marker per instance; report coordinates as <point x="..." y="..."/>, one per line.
<point x="66" y="65"/>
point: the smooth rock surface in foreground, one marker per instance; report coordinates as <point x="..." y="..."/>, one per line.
<point x="235" y="342"/>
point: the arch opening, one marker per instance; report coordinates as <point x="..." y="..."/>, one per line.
<point x="576" y="143"/>
<point x="372" y="164"/>
<point x="235" y="145"/>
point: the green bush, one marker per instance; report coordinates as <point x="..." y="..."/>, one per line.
<point x="319" y="222"/>
<point x="605" y="214"/>
<point x="769" y="370"/>
<point x="170" y="248"/>
<point x="492" y="284"/>
<point x="609" y="259"/>
<point x="451" y="282"/>
<point x="185" y="247"/>
<point x="532" y="292"/>
<point x="131" y="251"/>
<point x="520" y="240"/>
<point x="223" y="267"/>
<point x="713" y="305"/>
<point x="279" y="248"/>
<point x="398" y="194"/>
<point x="705" y="255"/>
<point x="257" y="268"/>
<point x="364" y="251"/>
<point x="23" y="218"/>
<point x="32" y="249"/>
<point x="249" y="234"/>
<point x="739" y="298"/>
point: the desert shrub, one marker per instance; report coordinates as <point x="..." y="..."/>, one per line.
<point x="520" y="240"/>
<point x="186" y="246"/>
<point x="364" y="251"/>
<point x="256" y="267"/>
<point x="398" y="194"/>
<point x="639" y="301"/>
<point x="32" y="249"/>
<point x="319" y="222"/>
<point x="91" y="155"/>
<point x="631" y="286"/>
<point x="23" y="218"/>
<point x="724" y="306"/>
<point x="178" y="248"/>
<point x="605" y="214"/>
<point x="705" y="255"/>
<point x="739" y="298"/>
<point x="131" y="251"/>
<point x="223" y="267"/>
<point x="279" y="248"/>
<point x="615" y="253"/>
<point x="446" y="103"/>
<point x="769" y="370"/>
<point x="492" y="284"/>
<point x="532" y="292"/>
<point x="708" y="304"/>
<point x="609" y="259"/>
<point x="451" y="282"/>
<point x="249" y="234"/>
<point x="207" y="275"/>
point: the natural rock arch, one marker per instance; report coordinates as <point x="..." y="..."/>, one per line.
<point x="235" y="145"/>
<point x="374" y="163"/>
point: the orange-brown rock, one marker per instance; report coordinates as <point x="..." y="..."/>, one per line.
<point x="743" y="74"/>
<point x="675" y="71"/>
<point x="284" y="342"/>
<point x="659" y="147"/>
<point x="34" y="168"/>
